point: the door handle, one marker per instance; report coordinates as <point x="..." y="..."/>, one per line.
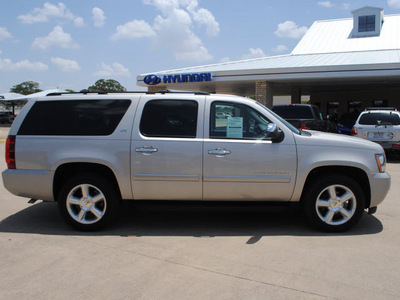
<point x="146" y="149"/>
<point x="219" y="151"/>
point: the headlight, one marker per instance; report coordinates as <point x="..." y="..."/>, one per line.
<point x="381" y="162"/>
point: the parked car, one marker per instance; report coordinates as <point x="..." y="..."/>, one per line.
<point x="304" y="116"/>
<point x="95" y="149"/>
<point x="380" y="125"/>
<point x="346" y="122"/>
<point x="6" y="117"/>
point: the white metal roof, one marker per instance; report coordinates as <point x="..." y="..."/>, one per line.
<point x="336" y="36"/>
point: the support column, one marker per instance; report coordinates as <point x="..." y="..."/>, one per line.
<point x="296" y="97"/>
<point x="264" y="93"/>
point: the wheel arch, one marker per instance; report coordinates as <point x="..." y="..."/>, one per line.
<point x="355" y="173"/>
<point x="68" y="170"/>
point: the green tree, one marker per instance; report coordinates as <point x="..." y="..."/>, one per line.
<point x="109" y="85"/>
<point x="26" y="88"/>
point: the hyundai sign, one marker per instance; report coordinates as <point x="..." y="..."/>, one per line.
<point x="179" y="78"/>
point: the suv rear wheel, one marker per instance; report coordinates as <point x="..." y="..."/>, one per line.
<point x="334" y="203"/>
<point x="88" y="202"/>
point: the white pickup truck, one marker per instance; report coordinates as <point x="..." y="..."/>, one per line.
<point x="89" y="151"/>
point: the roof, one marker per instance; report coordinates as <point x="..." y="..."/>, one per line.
<point x="336" y="36"/>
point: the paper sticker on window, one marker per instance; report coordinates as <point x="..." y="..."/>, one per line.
<point x="235" y="127"/>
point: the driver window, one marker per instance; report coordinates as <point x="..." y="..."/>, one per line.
<point x="236" y="121"/>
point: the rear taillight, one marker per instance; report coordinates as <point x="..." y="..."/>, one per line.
<point x="397" y="146"/>
<point x="10" y="152"/>
<point x="303" y="126"/>
<point x="354" y="131"/>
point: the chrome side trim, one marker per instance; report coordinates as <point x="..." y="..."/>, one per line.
<point x="162" y="177"/>
<point x="259" y="179"/>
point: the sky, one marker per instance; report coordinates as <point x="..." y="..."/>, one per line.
<point x="72" y="44"/>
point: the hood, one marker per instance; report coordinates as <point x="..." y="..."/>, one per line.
<point x="318" y="138"/>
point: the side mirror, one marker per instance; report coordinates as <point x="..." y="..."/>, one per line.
<point x="274" y="133"/>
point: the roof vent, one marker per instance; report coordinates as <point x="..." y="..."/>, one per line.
<point x="367" y="21"/>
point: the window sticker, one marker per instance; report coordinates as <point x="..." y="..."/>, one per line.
<point x="235" y="127"/>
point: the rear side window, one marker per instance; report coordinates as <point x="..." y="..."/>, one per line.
<point x="169" y="118"/>
<point x="74" y="117"/>
<point x="379" y="119"/>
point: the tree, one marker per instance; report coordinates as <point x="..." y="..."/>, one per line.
<point x="26" y="88"/>
<point x="109" y="85"/>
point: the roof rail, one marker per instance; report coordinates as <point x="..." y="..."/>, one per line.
<point x="381" y="108"/>
<point x="90" y="91"/>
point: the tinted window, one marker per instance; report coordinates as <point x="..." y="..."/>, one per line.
<point x="379" y="119"/>
<point x="74" y="117"/>
<point x="236" y="121"/>
<point x="169" y="118"/>
<point x="293" y="112"/>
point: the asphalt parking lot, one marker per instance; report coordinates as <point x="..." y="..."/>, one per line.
<point x="197" y="252"/>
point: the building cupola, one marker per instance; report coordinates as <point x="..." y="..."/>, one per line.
<point x="367" y="21"/>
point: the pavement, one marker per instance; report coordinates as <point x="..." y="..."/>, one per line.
<point x="175" y="251"/>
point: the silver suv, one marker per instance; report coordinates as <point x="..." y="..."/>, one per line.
<point x="89" y="151"/>
<point x="380" y="125"/>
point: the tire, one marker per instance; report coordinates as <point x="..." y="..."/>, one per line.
<point x="334" y="203"/>
<point x="88" y="202"/>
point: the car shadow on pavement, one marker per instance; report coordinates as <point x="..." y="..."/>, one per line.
<point x="197" y="220"/>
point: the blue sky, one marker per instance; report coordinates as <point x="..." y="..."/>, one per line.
<point x="71" y="44"/>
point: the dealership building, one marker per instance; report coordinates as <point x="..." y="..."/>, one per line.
<point x="339" y="65"/>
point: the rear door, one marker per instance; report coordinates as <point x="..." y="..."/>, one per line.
<point x="166" y="150"/>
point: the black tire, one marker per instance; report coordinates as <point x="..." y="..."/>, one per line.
<point x="88" y="202"/>
<point x="334" y="203"/>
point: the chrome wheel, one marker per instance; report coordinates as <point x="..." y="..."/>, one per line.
<point x="86" y="204"/>
<point x="336" y="204"/>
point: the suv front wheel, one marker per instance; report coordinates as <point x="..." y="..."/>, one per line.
<point x="334" y="203"/>
<point x="88" y="202"/>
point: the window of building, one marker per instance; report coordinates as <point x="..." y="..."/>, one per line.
<point x="74" y="118"/>
<point x="354" y="106"/>
<point x="169" y="118"/>
<point x="380" y="103"/>
<point x="366" y="23"/>
<point x="236" y="121"/>
<point x="333" y="110"/>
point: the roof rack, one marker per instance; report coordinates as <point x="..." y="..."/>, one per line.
<point x="90" y="91"/>
<point x="381" y="108"/>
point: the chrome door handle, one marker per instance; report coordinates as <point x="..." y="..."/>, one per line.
<point x="146" y="149"/>
<point x="219" y="151"/>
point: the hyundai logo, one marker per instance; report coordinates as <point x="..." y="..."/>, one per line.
<point x="152" y="79"/>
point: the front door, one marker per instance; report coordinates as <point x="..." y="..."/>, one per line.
<point x="238" y="163"/>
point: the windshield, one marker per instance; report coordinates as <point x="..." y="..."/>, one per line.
<point x="294" y="112"/>
<point x="379" y="118"/>
<point x="288" y="125"/>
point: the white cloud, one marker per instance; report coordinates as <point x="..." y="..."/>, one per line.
<point x="116" y="69"/>
<point x="290" y="29"/>
<point x="7" y="65"/>
<point x="65" y="65"/>
<point x="98" y="17"/>
<point x="326" y="4"/>
<point x="133" y="30"/>
<point x="173" y="28"/>
<point x="395" y="4"/>
<point x="280" y="48"/>
<point x="40" y="15"/>
<point x="204" y="18"/>
<point x="254" y="53"/>
<point x="56" y="38"/>
<point x="4" y="34"/>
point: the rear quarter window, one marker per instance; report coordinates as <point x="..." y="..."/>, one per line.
<point x="74" y="117"/>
